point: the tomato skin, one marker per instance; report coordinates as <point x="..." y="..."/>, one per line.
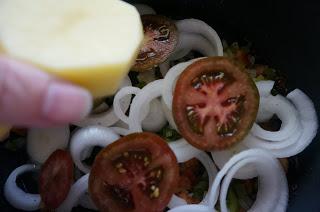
<point x="161" y="38"/>
<point x="56" y="177"/>
<point x="185" y="91"/>
<point x="114" y="190"/>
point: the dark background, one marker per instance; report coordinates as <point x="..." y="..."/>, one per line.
<point x="287" y="35"/>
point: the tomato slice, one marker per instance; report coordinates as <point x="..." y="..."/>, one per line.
<point x="161" y="38"/>
<point x="56" y="177"/>
<point x="139" y="172"/>
<point x="215" y="103"/>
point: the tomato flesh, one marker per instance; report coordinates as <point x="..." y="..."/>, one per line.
<point x="139" y="172"/>
<point x="215" y="103"/>
<point x="161" y="38"/>
<point x="56" y="178"/>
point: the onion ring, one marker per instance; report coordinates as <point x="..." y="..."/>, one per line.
<point x="198" y="26"/>
<point x="85" y="139"/>
<point x="211" y="171"/>
<point x="221" y="157"/>
<point x="286" y="112"/>
<point x="109" y="117"/>
<point x="41" y="142"/>
<point x="123" y="92"/>
<point x="143" y="98"/>
<point x="16" y="196"/>
<point x="272" y="173"/>
<point x="77" y="190"/>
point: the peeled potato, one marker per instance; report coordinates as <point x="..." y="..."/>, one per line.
<point x="92" y="43"/>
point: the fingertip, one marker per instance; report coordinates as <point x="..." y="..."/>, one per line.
<point x="65" y="103"/>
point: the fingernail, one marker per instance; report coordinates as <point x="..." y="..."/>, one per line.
<point x="66" y="103"/>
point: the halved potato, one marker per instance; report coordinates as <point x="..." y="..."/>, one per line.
<point x="90" y="43"/>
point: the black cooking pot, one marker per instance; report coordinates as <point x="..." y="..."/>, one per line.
<point x="286" y="34"/>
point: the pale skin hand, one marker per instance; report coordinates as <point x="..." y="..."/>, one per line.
<point x="30" y="97"/>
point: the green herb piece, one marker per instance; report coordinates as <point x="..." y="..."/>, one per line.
<point x="141" y="84"/>
<point x="232" y="201"/>
<point x="169" y="133"/>
<point x="200" y="189"/>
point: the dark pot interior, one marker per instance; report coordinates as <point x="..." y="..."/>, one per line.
<point x="286" y="35"/>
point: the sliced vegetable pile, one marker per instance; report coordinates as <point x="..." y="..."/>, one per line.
<point x="190" y="126"/>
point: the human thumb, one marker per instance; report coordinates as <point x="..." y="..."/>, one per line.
<point x="32" y="98"/>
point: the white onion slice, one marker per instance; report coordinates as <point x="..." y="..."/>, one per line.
<point x="193" y="41"/>
<point x="42" y="142"/>
<point x="143" y="98"/>
<point x="211" y="171"/>
<point x="272" y="183"/>
<point x="78" y="189"/>
<point x="286" y="112"/>
<point x="273" y="180"/>
<point x="169" y="115"/>
<point x="123" y="92"/>
<point x="301" y="138"/>
<point x="222" y="157"/>
<point x="156" y="118"/>
<point x="309" y="124"/>
<point x="144" y="9"/>
<point x="16" y="196"/>
<point x="120" y="131"/>
<point x="200" y="27"/>
<point x="183" y="150"/>
<point x="265" y="87"/>
<point x="85" y="139"/>
<point x="170" y="80"/>
<point x="109" y="117"/>
<point x="192" y="208"/>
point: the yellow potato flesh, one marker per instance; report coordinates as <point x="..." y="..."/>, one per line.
<point x="90" y="43"/>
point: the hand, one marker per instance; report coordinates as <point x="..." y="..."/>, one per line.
<point x="32" y="98"/>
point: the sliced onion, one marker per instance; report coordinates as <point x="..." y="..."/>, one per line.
<point x="183" y="150"/>
<point x="298" y="140"/>
<point x="120" y="131"/>
<point x="211" y="171"/>
<point x="200" y="27"/>
<point x="109" y="117"/>
<point x="85" y="139"/>
<point x="192" y="208"/>
<point x="78" y="189"/>
<point x="192" y="41"/>
<point x="144" y="9"/>
<point x="42" y="142"/>
<point x="286" y="112"/>
<point x="222" y="157"/>
<point x="169" y="115"/>
<point x="143" y="98"/>
<point x="273" y="184"/>
<point x="265" y="87"/>
<point x="156" y="118"/>
<point x="16" y="196"/>
<point x="170" y="80"/>
<point x="123" y="92"/>
<point x="309" y="124"/>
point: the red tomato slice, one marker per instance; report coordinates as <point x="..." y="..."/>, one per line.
<point x="215" y="103"/>
<point x="139" y="172"/>
<point x="56" y="178"/>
